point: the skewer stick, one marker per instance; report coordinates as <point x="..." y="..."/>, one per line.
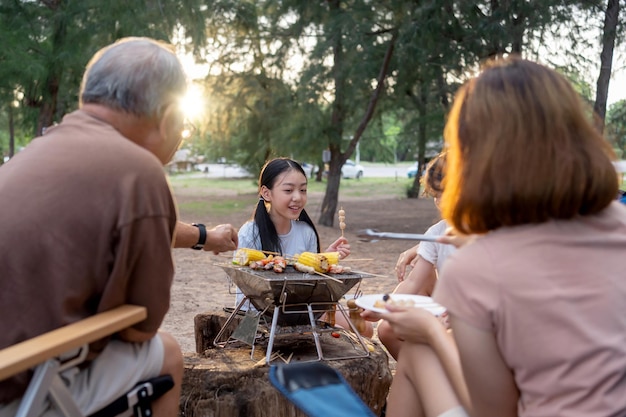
<point x="357" y="259"/>
<point x="369" y="273"/>
<point x="342" y="217"/>
<point x="329" y="277"/>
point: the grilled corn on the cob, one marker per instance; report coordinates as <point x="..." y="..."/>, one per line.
<point x="244" y="256"/>
<point x="333" y="257"/>
<point x="319" y="261"/>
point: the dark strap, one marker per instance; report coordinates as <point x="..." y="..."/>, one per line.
<point x="201" y="238"/>
<point x="139" y="399"/>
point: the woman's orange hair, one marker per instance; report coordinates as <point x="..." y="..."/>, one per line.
<point x="522" y="148"/>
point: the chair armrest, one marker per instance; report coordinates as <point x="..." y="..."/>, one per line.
<point x="25" y="355"/>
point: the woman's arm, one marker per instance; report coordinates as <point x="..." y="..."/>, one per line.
<point x="416" y="325"/>
<point x="489" y="380"/>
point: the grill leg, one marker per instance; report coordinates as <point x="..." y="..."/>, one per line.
<point x="316" y="336"/>
<point x="216" y="341"/>
<point x="270" y="344"/>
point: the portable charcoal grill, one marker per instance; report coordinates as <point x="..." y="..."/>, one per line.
<point x="292" y="299"/>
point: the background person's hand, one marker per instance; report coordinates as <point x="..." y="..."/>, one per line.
<point x="453" y="237"/>
<point x="222" y="238"/>
<point x="406" y="258"/>
<point x="340" y="245"/>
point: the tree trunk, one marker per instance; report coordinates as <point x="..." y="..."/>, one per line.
<point x="11" y="132"/>
<point x="335" y="135"/>
<point x="331" y="197"/>
<point x="611" y="19"/>
<point x="329" y="204"/>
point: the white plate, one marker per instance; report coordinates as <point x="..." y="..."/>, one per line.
<point x="367" y="302"/>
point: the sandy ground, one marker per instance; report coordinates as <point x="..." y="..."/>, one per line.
<point x="200" y="285"/>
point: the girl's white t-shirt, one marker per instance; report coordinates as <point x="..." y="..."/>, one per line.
<point x="433" y="252"/>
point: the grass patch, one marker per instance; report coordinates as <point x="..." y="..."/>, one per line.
<point x="372" y="187"/>
<point x="232" y="185"/>
<point x="229" y="189"/>
<point x="217" y="207"/>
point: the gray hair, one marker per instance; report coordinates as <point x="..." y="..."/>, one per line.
<point x="139" y="76"/>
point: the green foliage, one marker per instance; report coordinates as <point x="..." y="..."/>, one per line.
<point x="291" y="77"/>
<point x="47" y="44"/>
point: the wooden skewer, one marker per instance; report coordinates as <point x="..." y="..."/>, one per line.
<point x="329" y="277"/>
<point x="369" y="273"/>
<point x="356" y="259"/>
<point x="342" y="217"/>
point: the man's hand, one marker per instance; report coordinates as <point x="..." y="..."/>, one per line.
<point x="222" y="238"/>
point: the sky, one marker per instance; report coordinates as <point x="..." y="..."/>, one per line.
<point x="617" y="86"/>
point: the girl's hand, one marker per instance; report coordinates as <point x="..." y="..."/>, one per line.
<point x="406" y="258"/>
<point x="340" y="245"/>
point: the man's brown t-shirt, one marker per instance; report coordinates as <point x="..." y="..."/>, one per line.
<point x="86" y="225"/>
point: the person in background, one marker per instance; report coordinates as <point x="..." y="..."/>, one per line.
<point x="281" y="224"/>
<point x="536" y="300"/>
<point x="88" y="221"/>
<point x="427" y="257"/>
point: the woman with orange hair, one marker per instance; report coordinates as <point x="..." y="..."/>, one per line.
<point x="536" y="300"/>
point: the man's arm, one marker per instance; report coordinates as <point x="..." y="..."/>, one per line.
<point x="221" y="238"/>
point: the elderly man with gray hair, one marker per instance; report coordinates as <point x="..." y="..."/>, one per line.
<point x="88" y="221"/>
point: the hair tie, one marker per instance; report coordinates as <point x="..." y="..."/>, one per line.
<point x="261" y="199"/>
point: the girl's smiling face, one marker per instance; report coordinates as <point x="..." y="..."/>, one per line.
<point x="287" y="198"/>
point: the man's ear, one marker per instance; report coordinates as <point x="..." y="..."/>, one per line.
<point x="171" y="125"/>
<point x="170" y="130"/>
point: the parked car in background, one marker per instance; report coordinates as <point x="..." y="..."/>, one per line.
<point x="352" y="170"/>
<point x="411" y="172"/>
<point x="309" y="169"/>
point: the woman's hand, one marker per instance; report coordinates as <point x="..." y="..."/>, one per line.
<point x="340" y="245"/>
<point x="412" y="324"/>
<point x="453" y="237"/>
<point x="406" y="258"/>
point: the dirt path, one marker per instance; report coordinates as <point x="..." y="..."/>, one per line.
<point x="201" y="286"/>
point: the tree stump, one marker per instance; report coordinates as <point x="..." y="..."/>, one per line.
<point x="228" y="382"/>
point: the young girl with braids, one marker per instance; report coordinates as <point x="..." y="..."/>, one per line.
<point x="281" y="224"/>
